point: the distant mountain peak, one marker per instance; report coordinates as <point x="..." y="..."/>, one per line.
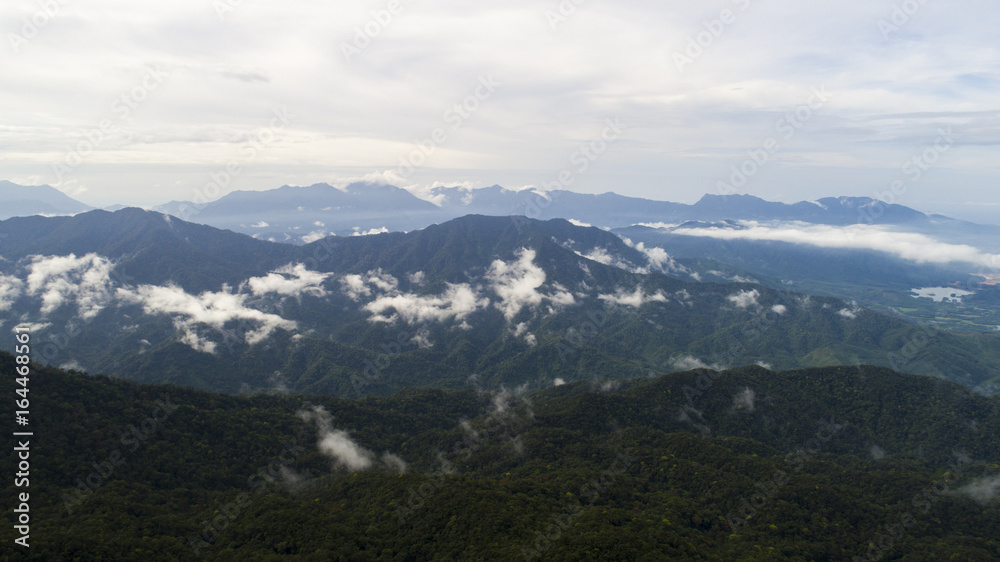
<point x="27" y="200"/>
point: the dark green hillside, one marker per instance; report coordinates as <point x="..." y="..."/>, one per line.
<point x="147" y="247"/>
<point x="820" y="464"/>
<point x="620" y="321"/>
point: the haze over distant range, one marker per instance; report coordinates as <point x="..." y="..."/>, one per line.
<point x="809" y="100"/>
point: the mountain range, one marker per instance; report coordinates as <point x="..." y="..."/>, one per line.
<point x="21" y="201"/>
<point x="303" y="214"/>
<point x="508" y="300"/>
<point x="881" y="255"/>
<point x="297" y="214"/>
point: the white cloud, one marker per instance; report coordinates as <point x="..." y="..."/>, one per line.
<point x="558" y="382"/>
<point x="744" y="299"/>
<point x="10" y="289"/>
<point x="561" y="297"/>
<point x="984" y="490"/>
<point x="290" y="280"/>
<point x="579" y="223"/>
<point x="64" y="279"/>
<point x="33" y="326"/>
<point x="191" y="339"/>
<point x="658" y="225"/>
<point x="634" y="299"/>
<point x="337" y="443"/>
<point x="684" y="298"/>
<point x="910" y="246"/>
<point x="745" y="399"/>
<point x="354" y="287"/>
<point x="422" y="339"/>
<point x="370" y="232"/>
<point x="521" y="330"/>
<point x="779" y="309"/>
<point x="658" y="258"/>
<point x="690" y="362"/>
<point x="457" y="302"/>
<point x="603" y="256"/>
<point x="849" y="313"/>
<point x="357" y="286"/>
<point x="609" y="386"/>
<point x="314" y="236"/>
<point x="516" y="283"/>
<point x="212" y="309"/>
<point x="695" y="122"/>
<point x="261" y="224"/>
<point x="73" y="365"/>
<point x="394" y="463"/>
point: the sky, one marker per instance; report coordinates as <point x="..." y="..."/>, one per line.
<point x="140" y="102"/>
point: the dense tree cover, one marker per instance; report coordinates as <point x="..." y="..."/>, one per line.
<point x="748" y="464"/>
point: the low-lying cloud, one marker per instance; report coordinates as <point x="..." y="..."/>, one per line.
<point x="690" y="363"/>
<point x="358" y="286"/>
<point x="336" y="443"/>
<point x="10" y="290"/>
<point x="213" y="309"/>
<point x="457" y="303"/>
<point x="516" y="283"/>
<point x="658" y="258"/>
<point x="745" y="399"/>
<point x="744" y="299"/>
<point x="290" y="280"/>
<point x="983" y="490"/>
<point x="60" y="280"/>
<point x="634" y="299"/>
<point x="909" y="246"/>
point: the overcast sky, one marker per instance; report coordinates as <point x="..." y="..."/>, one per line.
<point x="187" y="87"/>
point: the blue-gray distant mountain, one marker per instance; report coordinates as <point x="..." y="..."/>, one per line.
<point x="25" y="201"/>
<point x="302" y="214"/>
